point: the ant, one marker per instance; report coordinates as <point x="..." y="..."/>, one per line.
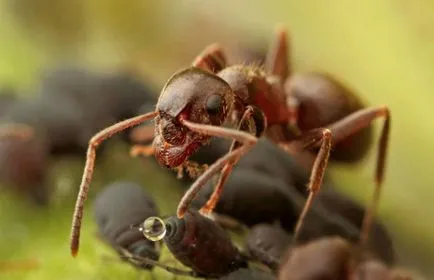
<point x="207" y="100"/>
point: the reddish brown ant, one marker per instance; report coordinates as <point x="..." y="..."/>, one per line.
<point x="198" y="103"/>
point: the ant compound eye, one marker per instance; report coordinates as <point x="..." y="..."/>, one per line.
<point x="214" y="104"/>
<point x="154" y="229"/>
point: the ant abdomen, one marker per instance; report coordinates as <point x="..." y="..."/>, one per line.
<point x="323" y="100"/>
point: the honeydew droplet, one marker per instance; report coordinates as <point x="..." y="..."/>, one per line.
<point x="154" y="229"/>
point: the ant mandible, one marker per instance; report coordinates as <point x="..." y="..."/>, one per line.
<point x="208" y="100"/>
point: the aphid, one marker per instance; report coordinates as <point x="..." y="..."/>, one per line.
<point x="239" y="102"/>
<point x="379" y="239"/>
<point x="122" y="92"/>
<point x="253" y="198"/>
<point x="267" y="244"/>
<point x="197" y="242"/>
<point x="333" y="258"/>
<point x="60" y="121"/>
<point x="96" y="99"/>
<point x="24" y="162"/>
<point x="118" y="209"/>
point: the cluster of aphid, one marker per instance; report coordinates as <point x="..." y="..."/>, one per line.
<point x="283" y="128"/>
<point x="70" y="106"/>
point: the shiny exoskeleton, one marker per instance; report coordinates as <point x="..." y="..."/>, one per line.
<point x="118" y="209"/>
<point x="322" y="100"/>
<point x="202" y="245"/>
<point x="240" y="103"/>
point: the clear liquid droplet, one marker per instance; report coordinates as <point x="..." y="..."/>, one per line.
<point x="154" y="229"/>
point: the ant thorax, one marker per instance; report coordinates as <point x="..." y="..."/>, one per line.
<point x="253" y="86"/>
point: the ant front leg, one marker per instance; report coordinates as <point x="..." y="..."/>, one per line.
<point x="244" y="125"/>
<point x="211" y="59"/>
<point x="352" y="124"/>
<point x="247" y="140"/>
<point x="94" y="142"/>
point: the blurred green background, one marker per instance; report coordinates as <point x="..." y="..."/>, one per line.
<point x="382" y="49"/>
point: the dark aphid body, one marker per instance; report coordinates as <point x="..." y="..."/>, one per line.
<point x="328" y="258"/>
<point x="249" y="274"/>
<point x="323" y="100"/>
<point x="99" y="98"/>
<point x="61" y="122"/>
<point x="379" y="242"/>
<point x="118" y="210"/>
<point x="202" y="245"/>
<point x="267" y="244"/>
<point x="253" y="198"/>
<point x="334" y="258"/>
<point x="267" y="158"/>
<point x="23" y="166"/>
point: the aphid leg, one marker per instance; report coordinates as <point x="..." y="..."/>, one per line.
<point x="277" y="61"/>
<point x="352" y="124"/>
<point x="227" y="169"/>
<point x="211" y="59"/>
<point x="94" y="142"/>
<point x="324" y="136"/>
<point x="245" y="138"/>
<point x="142" y="133"/>
<point x="192" y="168"/>
<point x="142" y="150"/>
<point x="147" y="261"/>
<point x="227" y="222"/>
<point x="16" y="130"/>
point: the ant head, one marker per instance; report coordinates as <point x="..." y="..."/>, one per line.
<point x="198" y="96"/>
<point x="190" y="95"/>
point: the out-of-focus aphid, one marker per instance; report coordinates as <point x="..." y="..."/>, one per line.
<point x="118" y="210"/>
